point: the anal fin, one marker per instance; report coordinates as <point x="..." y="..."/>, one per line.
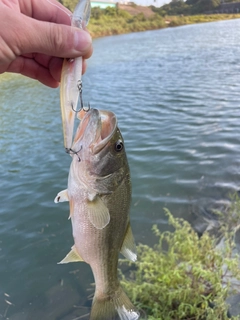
<point x="128" y="248"/>
<point x="72" y="256"/>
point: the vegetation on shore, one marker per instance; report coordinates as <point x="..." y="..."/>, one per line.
<point x="111" y="21"/>
<point x="187" y="277"/>
<point x="189" y="7"/>
<point x="115" y="21"/>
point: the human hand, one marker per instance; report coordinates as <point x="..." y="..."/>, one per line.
<point x="35" y="36"/>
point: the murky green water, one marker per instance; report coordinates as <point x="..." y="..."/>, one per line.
<point x="176" y="93"/>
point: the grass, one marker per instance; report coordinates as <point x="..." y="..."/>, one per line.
<point x="8" y="76"/>
<point x="187" y="277"/>
<point x="121" y="21"/>
<point x="112" y="21"/>
<point x="184" y="20"/>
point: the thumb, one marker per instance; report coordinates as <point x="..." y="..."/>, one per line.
<point x="54" y="39"/>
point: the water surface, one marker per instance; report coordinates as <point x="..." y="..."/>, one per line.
<point x="176" y="93"/>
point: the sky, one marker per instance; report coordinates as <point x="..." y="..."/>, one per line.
<point x="161" y="2"/>
<point x="156" y="3"/>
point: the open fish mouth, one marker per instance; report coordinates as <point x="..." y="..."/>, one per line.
<point x="96" y="130"/>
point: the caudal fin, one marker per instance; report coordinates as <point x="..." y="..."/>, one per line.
<point x="116" y="307"/>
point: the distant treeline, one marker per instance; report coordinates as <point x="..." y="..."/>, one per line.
<point x="111" y="21"/>
<point x="175" y="7"/>
<point x="189" y="7"/>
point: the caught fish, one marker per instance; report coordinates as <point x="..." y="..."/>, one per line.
<point x="71" y="83"/>
<point x="99" y="192"/>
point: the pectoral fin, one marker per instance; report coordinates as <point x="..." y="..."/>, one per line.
<point x="98" y="213"/>
<point x="72" y="256"/>
<point x="62" y="196"/>
<point x="128" y="247"/>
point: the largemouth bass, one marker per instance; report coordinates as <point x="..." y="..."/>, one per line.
<point x="99" y="192"/>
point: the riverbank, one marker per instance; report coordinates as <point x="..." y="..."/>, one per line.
<point x="113" y="21"/>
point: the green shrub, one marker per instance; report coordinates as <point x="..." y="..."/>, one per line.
<point x="109" y="11"/>
<point x="140" y="17"/>
<point x="184" y="276"/>
<point x="96" y="13"/>
<point x="124" y="14"/>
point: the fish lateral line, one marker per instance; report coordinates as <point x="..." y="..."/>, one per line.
<point x="99" y="199"/>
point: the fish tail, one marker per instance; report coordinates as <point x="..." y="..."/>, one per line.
<point x="114" y="307"/>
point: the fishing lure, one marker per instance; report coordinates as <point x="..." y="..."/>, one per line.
<point x="71" y="82"/>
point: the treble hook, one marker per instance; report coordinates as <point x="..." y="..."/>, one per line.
<point x="86" y="108"/>
<point x="71" y="151"/>
<point x="79" y="86"/>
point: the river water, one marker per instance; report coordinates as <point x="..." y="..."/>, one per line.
<point x="176" y="93"/>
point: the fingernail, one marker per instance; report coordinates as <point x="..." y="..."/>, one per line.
<point x="82" y="40"/>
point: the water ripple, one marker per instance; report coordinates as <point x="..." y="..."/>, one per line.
<point x="176" y="94"/>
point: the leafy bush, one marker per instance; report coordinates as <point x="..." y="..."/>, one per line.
<point x="109" y="21"/>
<point x="179" y="7"/>
<point x="184" y="276"/>
<point x="109" y="11"/>
<point x="70" y="4"/>
<point x="96" y="13"/>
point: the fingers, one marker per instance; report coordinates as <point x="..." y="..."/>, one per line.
<point x="27" y="35"/>
<point x="46" y="10"/>
<point x="35" y="48"/>
<point x="54" y="39"/>
<point x="31" y="69"/>
<point x="49" y="75"/>
<point x="55" y="68"/>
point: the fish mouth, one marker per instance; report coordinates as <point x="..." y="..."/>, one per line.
<point x="108" y="128"/>
<point x="96" y="129"/>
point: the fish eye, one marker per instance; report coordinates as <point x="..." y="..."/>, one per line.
<point x="119" y="145"/>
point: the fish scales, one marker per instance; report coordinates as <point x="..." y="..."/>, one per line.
<point x="99" y="192"/>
